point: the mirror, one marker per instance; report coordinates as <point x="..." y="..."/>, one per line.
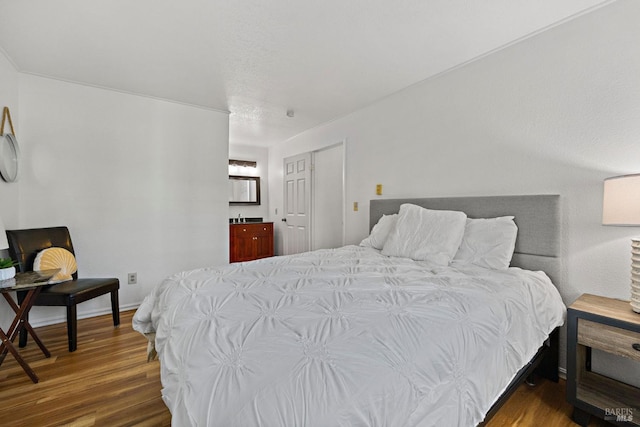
<point x="9" y="157"/>
<point x="244" y="190"/>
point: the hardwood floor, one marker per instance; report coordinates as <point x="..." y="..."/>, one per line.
<point x="543" y="404"/>
<point x="107" y="382"/>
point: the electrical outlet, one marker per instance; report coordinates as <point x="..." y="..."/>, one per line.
<point x="132" y="278"/>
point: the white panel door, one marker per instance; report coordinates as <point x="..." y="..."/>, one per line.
<point x="297" y="204"/>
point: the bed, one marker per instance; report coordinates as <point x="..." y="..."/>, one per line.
<point x="359" y="336"/>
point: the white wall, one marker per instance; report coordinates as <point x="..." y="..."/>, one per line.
<point x="556" y="113"/>
<point x="141" y="183"/>
<point x="9" y="98"/>
<point x="260" y="155"/>
<point x="8" y="192"/>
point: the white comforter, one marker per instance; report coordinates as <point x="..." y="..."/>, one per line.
<point x="344" y="337"/>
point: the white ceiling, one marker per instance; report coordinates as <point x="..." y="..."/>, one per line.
<point x="260" y="58"/>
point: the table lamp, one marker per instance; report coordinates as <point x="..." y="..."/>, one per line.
<point x="621" y="206"/>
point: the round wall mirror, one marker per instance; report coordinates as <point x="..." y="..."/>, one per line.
<point x="9" y="157"/>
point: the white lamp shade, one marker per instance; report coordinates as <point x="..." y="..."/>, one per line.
<point x="621" y="200"/>
<point x="4" y="244"/>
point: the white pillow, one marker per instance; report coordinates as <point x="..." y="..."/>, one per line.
<point x="488" y="242"/>
<point x="380" y="232"/>
<point x="425" y="234"/>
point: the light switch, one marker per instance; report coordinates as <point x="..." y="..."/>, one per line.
<point x="379" y="189"/>
<point x="355" y="206"/>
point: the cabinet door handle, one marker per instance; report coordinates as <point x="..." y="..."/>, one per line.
<point x="636" y="346"/>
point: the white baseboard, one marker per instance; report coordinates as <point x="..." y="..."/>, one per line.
<point x="84" y="315"/>
<point x="562" y="373"/>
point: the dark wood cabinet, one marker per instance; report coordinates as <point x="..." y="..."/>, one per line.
<point x="249" y="241"/>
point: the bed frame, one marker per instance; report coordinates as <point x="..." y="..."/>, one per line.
<point x="537" y="248"/>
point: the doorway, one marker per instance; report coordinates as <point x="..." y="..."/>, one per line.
<point x="314" y="200"/>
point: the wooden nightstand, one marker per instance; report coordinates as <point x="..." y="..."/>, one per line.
<point x="611" y="326"/>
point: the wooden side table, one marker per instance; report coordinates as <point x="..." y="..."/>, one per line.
<point x="611" y="326"/>
<point x="32" y="282"/>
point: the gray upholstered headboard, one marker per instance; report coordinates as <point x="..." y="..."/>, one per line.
<point x="537" y="217"/>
